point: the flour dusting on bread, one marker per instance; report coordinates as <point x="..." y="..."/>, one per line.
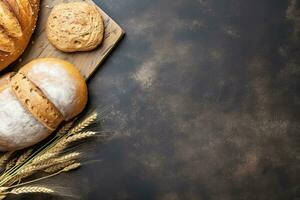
<point x="56" y="84"/>
<point x="17" y="125"/>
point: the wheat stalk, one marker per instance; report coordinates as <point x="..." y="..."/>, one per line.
<point x="31" y="189"/>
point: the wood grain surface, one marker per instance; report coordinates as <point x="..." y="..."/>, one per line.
<point x="86" y="62"/>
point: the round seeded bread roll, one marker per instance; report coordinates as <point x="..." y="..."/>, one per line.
<point x="76" y="26"/>
<point x="35" y="100"/>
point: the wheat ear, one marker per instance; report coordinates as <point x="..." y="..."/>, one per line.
<point x="78" y="136"/>
<point x="71" y="167"/>
<point x="65" y="128"/>
<point x="66" y="158"/>
<point x="5" y="157"/>
<point x="11" y="163"/>
<point x="40" y="159"/>
<point x="85" y="123"/>
<point x="57" y="148"/>
<point x="24" y="156"/>
<point x="48" y="163"/>
<point x="66" y="169"/>
<point x="30" y="169"/>
<point x="63" y="143"/>
<point x="58" y="167"/>
<point x="31" y="189"/>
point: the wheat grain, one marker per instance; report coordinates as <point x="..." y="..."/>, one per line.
<point x="85" y="123"/>
<point x="58" y="167"/>
<point x="71" y="167"/>
<point x="31" y="189"/>
<point x="24" y="156"/>
<point x="2" y="197"/>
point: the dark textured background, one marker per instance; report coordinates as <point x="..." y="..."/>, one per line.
<point x="206" y="102"/>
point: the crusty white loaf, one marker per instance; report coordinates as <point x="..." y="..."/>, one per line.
<point x="37" y="99"/>
<point x="17" y="23"/>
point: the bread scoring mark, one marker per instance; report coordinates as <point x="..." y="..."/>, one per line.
<point x="13" y="6"/>
<point x="6" y="45"/>
<point x="26" y="11"/>
<point x="9" y="21"/>
<point x="10" y="26"/>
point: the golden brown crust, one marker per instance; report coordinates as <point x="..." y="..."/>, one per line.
<point x="17" y="23"/>
<point x="81" y="92"/>
<point x="76" y="26"/>
<point x="35" y="101"/>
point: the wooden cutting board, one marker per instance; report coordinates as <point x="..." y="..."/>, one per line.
<point x="86" y="62"/>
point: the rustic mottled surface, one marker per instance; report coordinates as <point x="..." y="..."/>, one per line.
<point x="206" y="102"/>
